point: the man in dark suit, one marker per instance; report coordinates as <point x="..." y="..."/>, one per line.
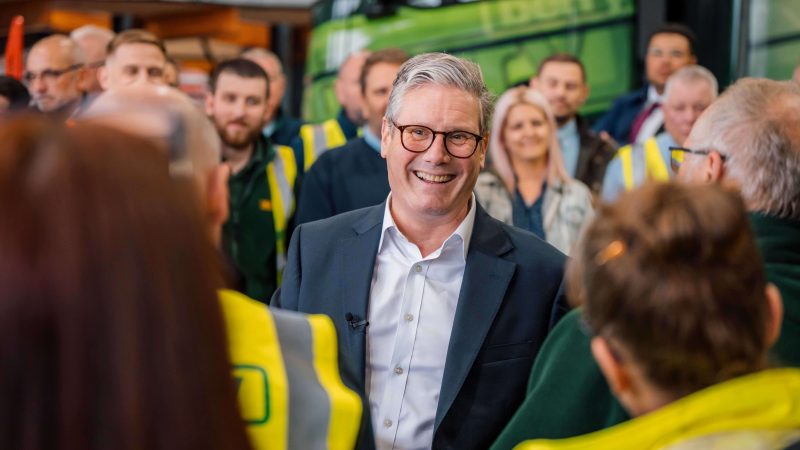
<point x="637" y="116"/>
<point x="439" y="308"/>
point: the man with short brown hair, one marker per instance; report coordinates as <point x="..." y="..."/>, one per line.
<point x="134" y="57"/>
<point x="561" y="78"/>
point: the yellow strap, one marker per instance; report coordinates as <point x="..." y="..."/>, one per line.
<point x="256" y="355"/>
<point x="624" y="154"/>
<point x="307" y="136"/>
<point x="334" y="135"/>
<point x="289" y="162"/>
<point x="345" y="404"/>
<point x="656" y="167"/>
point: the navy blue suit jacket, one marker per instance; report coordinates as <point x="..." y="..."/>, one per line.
<point x="618" y="120"/>
<point x="510" y="297"/>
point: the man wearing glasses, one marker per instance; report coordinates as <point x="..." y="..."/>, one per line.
<point x="749" y="138"/>
<point x="637" y="115"/>
<point x="55" y="75"/>
<point x="440" y="309"/>
<point x="689" y="92"/>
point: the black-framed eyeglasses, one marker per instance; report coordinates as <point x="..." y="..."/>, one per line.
<point x="47" y="75"/>
<point x="419" y="138"/>
<point x="677" y="155"/>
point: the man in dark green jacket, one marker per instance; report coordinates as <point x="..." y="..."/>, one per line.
<point x="748" y="138"/>
<point x="263" y="177"/>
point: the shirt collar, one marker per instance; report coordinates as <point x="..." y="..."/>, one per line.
<point x="464" y="229"/>
<point x="653" y="96"/>
<point x="373" y="141"/>
<point x="569" y="128"/>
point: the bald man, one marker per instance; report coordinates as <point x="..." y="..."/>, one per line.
<point x="55" y="74"/>
<point x="169" y="116"/>
<point x="93" y="40"/>
<point x="317" y="138"/>
<point x="280" y="128"/>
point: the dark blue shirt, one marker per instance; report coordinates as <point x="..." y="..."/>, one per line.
<point x="529" y="217"/>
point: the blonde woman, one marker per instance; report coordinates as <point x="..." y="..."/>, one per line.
<point x="526" y="183"/>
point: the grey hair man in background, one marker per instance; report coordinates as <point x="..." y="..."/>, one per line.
<point x="93" y="40"/>
<point x="439" y="308"/>
<point x="749" y="138"/>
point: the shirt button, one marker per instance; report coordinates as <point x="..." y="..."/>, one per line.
<point x="409" y="317"/>
<point x="387" y="423"/>
<point x="398" y="370"/>
<point x="417" y="268"/>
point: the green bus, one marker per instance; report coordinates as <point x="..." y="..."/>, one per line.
<point x="506" y="37"/>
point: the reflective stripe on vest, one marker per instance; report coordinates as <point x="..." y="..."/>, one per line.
<point x="287" y="377"/>
<point x="281" y="175"/>
<point x="319" y="137"/>
<point x="641" y="162"/>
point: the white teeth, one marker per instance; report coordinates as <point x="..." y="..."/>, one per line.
<point x="433" y="178"/>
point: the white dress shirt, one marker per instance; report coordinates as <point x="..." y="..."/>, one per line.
<point x="655" y="120"/>
<point x="411" y="310"/>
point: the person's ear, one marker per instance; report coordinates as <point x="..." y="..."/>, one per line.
<point x="209" y="103"/>
<point x="217" y="207"/>
<point x="534" y="82"/>
<point x="615" y="374"/>
<point x="102" y="76"/>
<point x="484" y="144"/>
<point x="776" y="314"/>
<point x="385" y="137"/>
<point x="714" y="167"/>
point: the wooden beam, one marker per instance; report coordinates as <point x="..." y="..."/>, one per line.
<point x="64" y="21"/>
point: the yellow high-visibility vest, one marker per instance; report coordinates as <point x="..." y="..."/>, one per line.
<point x="286" y="372"/>
<point x="320" y="137"/>
<point x="281" y="177"/>
<point x="642" y="162"/>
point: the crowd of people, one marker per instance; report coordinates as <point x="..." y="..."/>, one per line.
<point x="432" y="268"/>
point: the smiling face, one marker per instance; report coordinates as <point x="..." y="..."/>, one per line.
<point x="526" y="133"/>
<point x="433" y="185"/>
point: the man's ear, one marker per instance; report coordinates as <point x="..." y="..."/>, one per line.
<point x="484" y="147"/>
<point x="84" y="79"/>
<point x="102" y="76"/>
<point x="714" y="167"/>
<point x="776" y="314"/>
<point x="385" y="132"/>
<point x="209" y="103"/>
<point x="534" y="82"/>
<point x="217" y="208"/>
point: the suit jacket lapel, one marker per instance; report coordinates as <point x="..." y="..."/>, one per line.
<point x="355" y="266"/>
<point x="486" y="278"/>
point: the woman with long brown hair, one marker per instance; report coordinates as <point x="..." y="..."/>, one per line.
<point x="110" y="329"/>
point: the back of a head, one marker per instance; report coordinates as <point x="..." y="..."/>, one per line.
<point x="147" y="109"/>
<point x="15" y="93"/>
<point x="669" y="275"/>
<point x="754" y="125"/>
<point x="111" y="334"/>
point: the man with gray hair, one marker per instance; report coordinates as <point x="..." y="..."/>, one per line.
<point x="440" y="309"/>
<point x="93" y="40"/>
<point x="55" y="74"/>
<point x="749" y="138"/>
<point x="688" y="92"/>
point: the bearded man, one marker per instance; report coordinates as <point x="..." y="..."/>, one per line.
<point x="263" y="176"/>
